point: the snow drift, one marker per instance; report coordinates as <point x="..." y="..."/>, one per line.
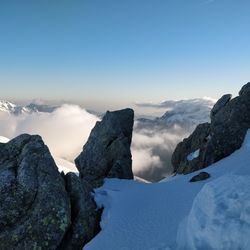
<point x="177" y="214"/>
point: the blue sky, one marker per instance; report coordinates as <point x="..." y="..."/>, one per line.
<point x="121" y="51"/>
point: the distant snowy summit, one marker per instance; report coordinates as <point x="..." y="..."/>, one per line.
<point x="11" y="108"/>
<point x="184" y="113"/>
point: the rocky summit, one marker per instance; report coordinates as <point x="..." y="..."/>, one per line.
<point x="230" y="120"/>
<point x="35" y="208"/>
<point x="107" y="151"/>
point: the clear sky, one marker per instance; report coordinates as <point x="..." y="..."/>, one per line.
<point x="121" y="51"/>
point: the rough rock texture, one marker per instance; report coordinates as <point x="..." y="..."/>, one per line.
<point x="200" y="177"/>
<point x="107" y="151"/>
<point x="197" y="140"/>
<point x="34" y="205"/>
<point x="230" y="119"/>
<point x="84" y="214"/>
<point x="220" y="104"/>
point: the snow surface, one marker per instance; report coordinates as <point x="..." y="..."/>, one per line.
<point x="193" y="155"/>
<point x="3" y="139"/>
<point x="177" y="214"/>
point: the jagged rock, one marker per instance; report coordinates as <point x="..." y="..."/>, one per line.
<point x="228" y="128"/>
<point x="245" y="89"/>
<point x="197" y="141"/>
<point x="84" y="214"/>
<point x="34" y="206"/>
<point x="220" y="104"/>
<point x="107" y="151"/>
<point x="200" y="177"/>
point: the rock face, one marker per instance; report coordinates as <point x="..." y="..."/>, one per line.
<point x="220" y="104"/>
<point x="35" y="208"/>
<point x="107" y="151"/>
<point x="230" y="119"/>
<point x="85" y="215"/>
<point x="197" y="141"/>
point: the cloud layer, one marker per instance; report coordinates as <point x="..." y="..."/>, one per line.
<point x="152" y="149"/>
<point x="65" y="130"/>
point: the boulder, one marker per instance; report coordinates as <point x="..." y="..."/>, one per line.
<point x="200" y="177"/>
<point x="84" y="214"/>
<point x="230" y="120"/>
<point x="35" y="208"/>
<point x="107" y="151"/>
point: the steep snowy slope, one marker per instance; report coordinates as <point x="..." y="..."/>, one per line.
<point x="177" y="214"/>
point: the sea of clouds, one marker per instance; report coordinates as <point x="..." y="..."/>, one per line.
<point x="66" y="130"/>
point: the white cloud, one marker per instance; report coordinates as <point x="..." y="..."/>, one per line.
<point x="152" y="149"/>
<point x="65" y="130"/>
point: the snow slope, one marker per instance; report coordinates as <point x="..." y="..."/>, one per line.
<point x="177" y="214"/>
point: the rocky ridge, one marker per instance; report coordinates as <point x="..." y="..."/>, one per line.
<point x="230" y="119"/>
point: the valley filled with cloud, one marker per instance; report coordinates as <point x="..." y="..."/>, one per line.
<point x="65" y="130"/>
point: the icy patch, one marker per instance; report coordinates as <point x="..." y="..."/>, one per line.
<point x="193" y="155"/>
<point x="220" y="215"/>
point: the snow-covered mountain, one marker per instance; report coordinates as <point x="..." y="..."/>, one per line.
<point x="11" y="108"/>
<point x="179" y="215"/>
<point x="184" y="113"/>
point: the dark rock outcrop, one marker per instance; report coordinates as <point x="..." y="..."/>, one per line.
<point x="34" y="205"/>
<point x="230" y="120"/>
<point x="197" y="141"/>
<point x="107" y="151"/>
<point x="200" y="177"/>
<point x="220" y="104"/>
<point x="84" y="214"/>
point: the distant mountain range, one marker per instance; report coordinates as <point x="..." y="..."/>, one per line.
<point x="12" y="108"/>
<point x="185" y="113"/>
